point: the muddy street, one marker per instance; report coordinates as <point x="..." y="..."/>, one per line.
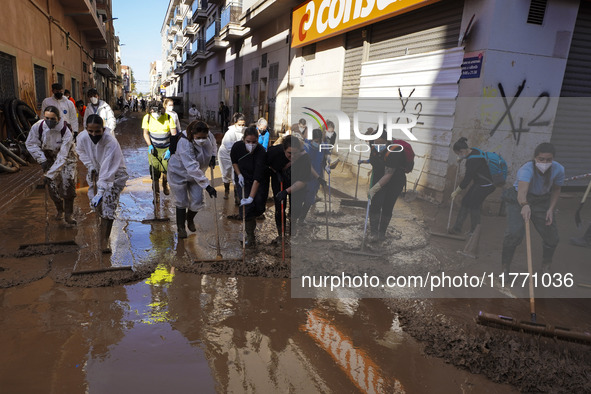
<point x="167" y="324"/>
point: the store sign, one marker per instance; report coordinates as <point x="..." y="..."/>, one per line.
<point x="317" y="20"/>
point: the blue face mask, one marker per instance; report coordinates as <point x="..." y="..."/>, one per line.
<point x="379" y="148"/>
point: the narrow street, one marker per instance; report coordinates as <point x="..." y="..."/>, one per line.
<point x="162" y="330"/>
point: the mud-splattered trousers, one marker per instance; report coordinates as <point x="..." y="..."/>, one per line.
<point x="516" y="225"/>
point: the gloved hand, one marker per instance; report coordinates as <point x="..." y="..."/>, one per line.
<point x="327" y="168"/>
<point x="151" y="149"/>
<point x="96" y="200"/>
<point x="212" y="162"/>
<point x="212" y="192"/>
<point x="45" y="166"/>
<point x="373" y="191"/>
<point x="246" y="201"/>
<point x="167" y="154"/>
<point x="241" y="180"/>
<point x="359" y="162"/>
<point x="281" y="196"/>
<point x="456" y="192"/>
<point x="321" y="182"/>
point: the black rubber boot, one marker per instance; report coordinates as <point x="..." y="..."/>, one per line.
<point x="250" y="226"/>
<point x="383" y="228"/>
<point x="106" y="226"/>
<point x="165" y="185"/>
<point x="474" y="218"/>
<point x="547" y="254"/>
<point x="156" y="188"/>
<point x="190" y="223"/>
<point x="181" y="216"/>
<point x="59" y="206"/>
<point x="506" y="258"/>
<point x="69" y="211"/>
<point x="226" y="191"/>
<point x="462" y="215"/>
<point x="374" y="225"/>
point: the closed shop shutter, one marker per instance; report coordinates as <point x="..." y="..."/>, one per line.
<point x="7" y="76"/>
<point x="424" y="30"/>
<point x="571" y="134"/>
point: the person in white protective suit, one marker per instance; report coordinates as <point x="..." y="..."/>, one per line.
<point x="101" y="108"/>
<point x="101" y="154"/>
<point x="234" y="133"/>
<point x="51" y="143"/>
<point x="195" y="152"/>
<point x="194" y="113"/>
<point x="67" y="109"/>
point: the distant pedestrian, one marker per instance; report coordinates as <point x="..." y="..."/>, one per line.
<point x="478" y="174"/>
<point x="317" y="162"/>
<point x="66" y="108"/>
<point x="68" y="95"/>
<point x="194" y="113"/>
<point x="101" y="154"/>
<point x="223" y="116"/>
<point x="234" y="134"/>
<point x="534" y="196"/>
<point x="264" y="133"/>
<point x="81" y="108"/>
<point x="169" y="107"/>
<point x="98" y="107"/>
<point x="51" y="143"/>
<point x="195" y="152"/>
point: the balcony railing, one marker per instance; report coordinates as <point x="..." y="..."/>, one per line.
<point x="212" y="30"/>
<point x="231" y="14"/>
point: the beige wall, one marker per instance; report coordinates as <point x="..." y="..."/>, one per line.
<point x="27" y="35"/>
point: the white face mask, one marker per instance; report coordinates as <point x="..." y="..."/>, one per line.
<point x="302" y="129"/>
<point x="250" y="147"/>
<point x="94" y="100"/>
<point x="169" y="108"/>
<point x="329" y="134"/>
<point x="543" y="167"/>
<point x="200" y="142"/>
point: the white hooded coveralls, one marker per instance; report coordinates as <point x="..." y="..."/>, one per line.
<point x="106" y="158"/>
<point x="233" y="134"/>
<point x="67" y="110"/>
<point x="186" y="172"/>
<point x="103" y="110"/>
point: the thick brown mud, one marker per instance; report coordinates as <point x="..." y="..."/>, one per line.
<point x="175" y="323"/>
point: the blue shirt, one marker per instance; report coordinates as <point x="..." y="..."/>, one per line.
<point x="537" y="186"/>
<point x="264" y="139"/>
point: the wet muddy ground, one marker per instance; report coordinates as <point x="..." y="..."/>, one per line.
<point x="175" y="325"/>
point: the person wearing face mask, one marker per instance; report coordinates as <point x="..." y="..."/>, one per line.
<point x="194" y="113"/>
<point x="248" y="159"/>
<point x="263" y="132"/>
<point x="101" y="154"/>
<point x="66" y="107"/>
<point x="534" y="196"/>
<point x="477" y="173"/>
<point x="51" y="143"/>
<point x="169" y="107"/>
<point x="387" y="181"/>
<point x="158" y="128"/>
<point x="101" y="108"/>
<point x="330" y="135"/>
<point x="186" y="174"/>
<point x="234" y="134"/>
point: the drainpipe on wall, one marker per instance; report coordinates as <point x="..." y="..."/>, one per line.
<point x="285" y="122"/>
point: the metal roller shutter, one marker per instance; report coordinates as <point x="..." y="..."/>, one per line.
<point x="571" y="134"/>
<point x="424" y="30"/>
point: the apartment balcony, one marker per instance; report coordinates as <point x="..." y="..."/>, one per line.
<point x="177" y="16"/>
<point x="199" y="52"/>
<point x="199" y="9"/>
<point x="103" y="8"/>
<point x="173" y="29"/>
<point x="191" y="30"/>
<point x="104" y="62"/>
<point x="177" y="43"/>
<point x="86" y="18"/>
<point x="213" y="42"/>
<point x="266" y="11"/>
<point x="230" y="28"/>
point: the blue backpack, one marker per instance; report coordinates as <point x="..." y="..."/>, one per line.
<point x="496" y="165"/>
